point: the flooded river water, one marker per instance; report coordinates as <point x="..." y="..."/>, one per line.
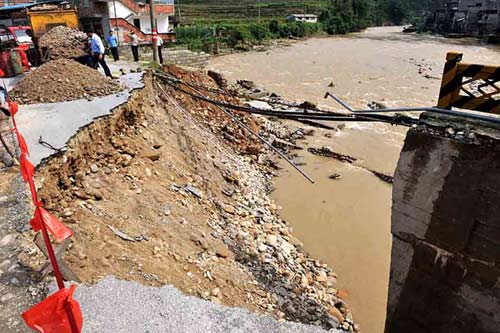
<point x="346" y="223"/>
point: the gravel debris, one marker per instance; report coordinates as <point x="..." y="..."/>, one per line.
<point x="64" y="43"/>
<point x="63" y="80"/>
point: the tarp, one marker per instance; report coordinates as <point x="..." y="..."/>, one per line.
<point x="27" y="5"/>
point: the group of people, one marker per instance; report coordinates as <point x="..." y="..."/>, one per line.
<point x="97" y="50"/>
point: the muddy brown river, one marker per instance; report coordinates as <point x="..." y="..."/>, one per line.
<point x="346" y="223"/>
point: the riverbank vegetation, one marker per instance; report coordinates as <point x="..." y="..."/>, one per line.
<point x="215" y="32"/>
<point x="212" y="38"/>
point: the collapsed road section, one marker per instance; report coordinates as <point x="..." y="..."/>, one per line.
<point x="169" y="190"/>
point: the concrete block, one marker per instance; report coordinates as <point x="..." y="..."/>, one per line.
<point x="446" y="237"/>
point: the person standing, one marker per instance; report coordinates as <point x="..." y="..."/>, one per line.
<point x="134" y="43"/>
<point x="113" y="45"/>
<point x="97" y="53"/>
<point x="159" y="43"/>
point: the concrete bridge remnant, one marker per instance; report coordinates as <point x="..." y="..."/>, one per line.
<point x="445" y="265"/>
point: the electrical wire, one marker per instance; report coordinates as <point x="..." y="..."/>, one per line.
<point x="318" y="114"/>
<point x="315" y="115"/>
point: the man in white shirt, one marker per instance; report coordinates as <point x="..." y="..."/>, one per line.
<point x="134" y="44"/>
<point x="159" y="43"/>
<point x="97" y="53"/>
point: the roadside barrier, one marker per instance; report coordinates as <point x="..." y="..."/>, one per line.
<point x="58" y="313"/>
<point x="469" y="86"/>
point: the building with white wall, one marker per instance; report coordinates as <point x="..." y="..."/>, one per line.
<point x="306" y="18"/>
<point x="129" y="15"/>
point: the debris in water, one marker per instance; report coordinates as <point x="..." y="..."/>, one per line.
<point x="308" y="105"/>
<point x="383" y="177"/>
<point x="335" y="176"/>
<point x="246" y="84"/>
<point x="374" y="105"/>
<point x="328" y="152"/>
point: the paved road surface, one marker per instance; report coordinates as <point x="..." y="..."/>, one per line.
<point x="121" y="307"/>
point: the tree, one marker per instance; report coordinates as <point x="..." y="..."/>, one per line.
<point x="397" y="11"/>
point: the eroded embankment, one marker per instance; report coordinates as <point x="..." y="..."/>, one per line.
<point x="161" y="196"/>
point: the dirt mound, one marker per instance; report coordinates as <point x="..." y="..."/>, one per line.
<point x="64" y="43"/>
<point x="63" y="80"/>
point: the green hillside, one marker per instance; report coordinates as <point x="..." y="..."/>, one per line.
<point x="244" y="10"/>
<point x="234" y="23"/>
<point x="234" y="11"/>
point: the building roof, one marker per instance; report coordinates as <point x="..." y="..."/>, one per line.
<point x="16" y="7"/>
<point x="140" y="8"/>
<point x="304" y="15"/>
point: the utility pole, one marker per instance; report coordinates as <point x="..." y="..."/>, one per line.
<point x="154" y="33"/>
<point x="259" y="9"/>
<point x="116" y="24"/>
<point x="179" y="10"/>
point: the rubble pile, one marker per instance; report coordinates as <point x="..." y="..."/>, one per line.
<point x="63" y="80"/>
<point x="62" y="42"/>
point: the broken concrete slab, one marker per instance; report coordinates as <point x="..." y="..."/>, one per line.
<point x="57" y="122"/>
<point x="166" y="309"/>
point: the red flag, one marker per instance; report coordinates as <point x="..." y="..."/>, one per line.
<point x="27" y="169"/>
<point x="22" y="143"/>
<point x="56" y="313"/>
<point x="54" y="226"/>
<point x="13" y="108"/>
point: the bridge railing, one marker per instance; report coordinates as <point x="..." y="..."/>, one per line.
<point x="469" y="86"/>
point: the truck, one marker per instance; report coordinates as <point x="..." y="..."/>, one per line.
<point x="26" y="26"/>
<point x="15" y="43"/>
<point x="44" y="17"/>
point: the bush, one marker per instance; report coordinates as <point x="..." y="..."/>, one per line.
<point x="196" y="38"/>
<point x="294" y="29"/>
<point x="274" y="27"/>
<point x="241" y="36"/>
<point x="336" y="25"/>
<point x="259" y="31"/>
